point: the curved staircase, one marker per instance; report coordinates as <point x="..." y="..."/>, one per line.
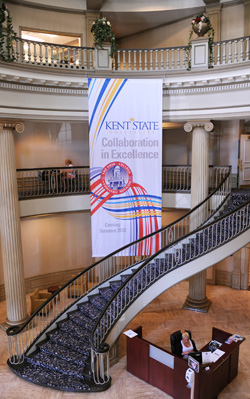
<point x="71" y="352"/>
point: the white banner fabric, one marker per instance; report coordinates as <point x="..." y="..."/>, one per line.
<point x="125" y="139"/>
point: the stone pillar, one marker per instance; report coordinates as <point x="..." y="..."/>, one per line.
<point x="197" y="300"/>
<point x="10" y="227"/>
<point x="214" y="13"/>
<point x="241" y="269"/>
<point x="91" y="16"/>
<point x="246" y="17"/>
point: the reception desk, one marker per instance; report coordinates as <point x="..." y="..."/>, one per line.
<point x="167" y="371"/>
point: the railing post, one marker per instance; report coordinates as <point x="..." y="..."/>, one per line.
<point x="199" y="53"/>
<point x="102" y="58"/>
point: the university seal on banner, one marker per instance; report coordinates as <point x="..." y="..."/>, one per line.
<point x="116" y="177"/>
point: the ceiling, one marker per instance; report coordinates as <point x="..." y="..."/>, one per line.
<point x="129" y="23"/>
<point x="129" y="17"/>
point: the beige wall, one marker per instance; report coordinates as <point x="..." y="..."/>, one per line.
<point x="232" y="22"/>
<point x="48" y="144"/>
<point x="55" y="243"/>
<point x="232" y="26"/>
<point x="60" y="22"/>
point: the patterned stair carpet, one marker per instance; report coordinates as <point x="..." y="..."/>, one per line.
<point x="62" y="360"/>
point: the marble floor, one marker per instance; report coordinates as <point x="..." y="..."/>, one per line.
<point x="229" y="311"/>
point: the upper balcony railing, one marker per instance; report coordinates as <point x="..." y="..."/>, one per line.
<point x="227" y="52"/>
<point x="51" y="182"/>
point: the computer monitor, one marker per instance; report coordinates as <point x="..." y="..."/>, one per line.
<point x="196" y="355"/>
<point x="201" y="357"/>
<point x="193" y="364"/>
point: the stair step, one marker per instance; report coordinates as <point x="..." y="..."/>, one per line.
<point x="90" y="310"/>
<point x="99" y="301"/>
<point x="75" y="329"/>
<point x="83" y="320"/>
<point x="54" y="348"/>
<point x="107" y="293"/>
<point x="52" y="378"/>
<point x="53" y="362"/>
<point x="71" y="342"/>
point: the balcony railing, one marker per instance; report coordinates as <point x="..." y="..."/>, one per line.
<point x="50" y="182"/>
<point x="162" y="59"/>
<point x="53" y="55"/>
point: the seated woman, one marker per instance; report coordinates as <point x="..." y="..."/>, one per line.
<point x="67" y="175"/>
<point x="185" y="346"/>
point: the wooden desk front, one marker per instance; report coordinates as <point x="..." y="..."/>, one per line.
<point x="168" y="373"/>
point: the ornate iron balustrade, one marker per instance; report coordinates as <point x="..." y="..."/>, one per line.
<point x="164" y="59"/>
<point x="21" y="340"/>
<point x="50" y="182"/>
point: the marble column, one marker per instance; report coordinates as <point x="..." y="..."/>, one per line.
<point x="197" y="300"/>
<point x="10" y="229"/>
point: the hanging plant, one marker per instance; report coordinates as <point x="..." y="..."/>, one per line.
<point x="7" y="34"/>
<point x="201" y="25"/>
<point x="102" y="32"/>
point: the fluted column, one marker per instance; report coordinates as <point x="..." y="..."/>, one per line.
<point x="197" y="300"/>
<point x="10" y="227"/>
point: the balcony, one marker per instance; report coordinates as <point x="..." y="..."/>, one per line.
<point x="56" y="56"/>
<point x="46" y="193"/>
<point x="58" y="77"/>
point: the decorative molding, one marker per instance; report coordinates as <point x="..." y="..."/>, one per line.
<point x="43" y="89"/>
<point x="18" y="126"/>
<point x="223" y="278"/>
<point x="206" y="125"/>
<point x="206" y="87"/>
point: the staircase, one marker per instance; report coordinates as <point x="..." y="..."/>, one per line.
<point x="71" y="353"/>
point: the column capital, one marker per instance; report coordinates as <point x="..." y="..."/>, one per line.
<point x="206" y="125"/>
<point x="17" y="126"/>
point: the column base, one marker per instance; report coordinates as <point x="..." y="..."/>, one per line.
<point x="10" y="323"/>
<point x="197" y="305"/>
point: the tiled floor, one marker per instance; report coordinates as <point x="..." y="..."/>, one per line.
<point x="229" y="311"/>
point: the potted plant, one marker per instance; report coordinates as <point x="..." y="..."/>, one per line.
<point x="102" y="32"/>
<point x="7" y="34"/>
<point x="201" y="25"/>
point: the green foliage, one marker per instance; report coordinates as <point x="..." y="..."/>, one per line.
<point x="198" y="19"/>
<point x="102" y="32"/>
<point x="7" y="35"/>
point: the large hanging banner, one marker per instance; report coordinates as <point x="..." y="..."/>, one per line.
<point x="125" y="123"/>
